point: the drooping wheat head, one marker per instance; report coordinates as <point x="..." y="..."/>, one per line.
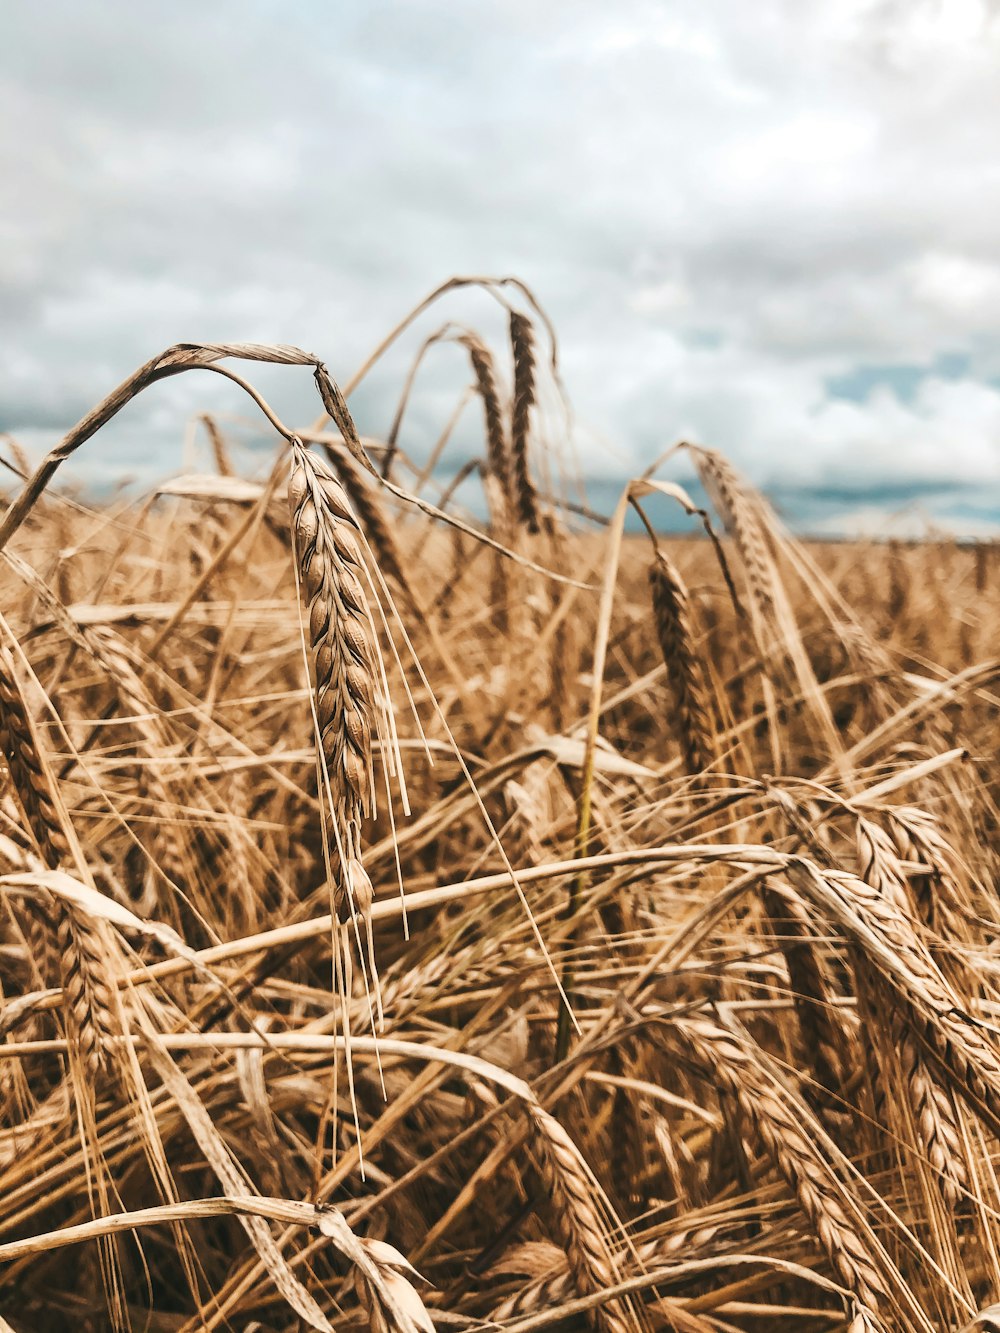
<point x="741" y="517"/>
<point x="578" y="1214"/>
<point x="343" y="658"/>
<point x="790" y="1136"/>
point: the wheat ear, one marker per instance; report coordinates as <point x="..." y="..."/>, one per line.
<point x="497" y="448"/>
<point x="739" y="514"/>
<point x="576" y="1199"/>
<point x="385" y="1292"/>
<point x="957" y="1044"/>
<point x="120" y="662"/>
<point x="342" y="658"/>
<point x="223" y="463"/>
<point x="790" y="1136"/>
<point x="824" y="1039"/>
<point x="81" y="944"/>
<point x="936" y="894"/>
<point x="557" y="1286"/>
<point x="525" y="497"/>
<point x="935" y="1116"/>
<point x="672" y="616"/>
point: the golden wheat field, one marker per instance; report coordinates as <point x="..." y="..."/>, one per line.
<point x="418" y="922"/>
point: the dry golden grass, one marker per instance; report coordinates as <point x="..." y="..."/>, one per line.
<point x="317" y="816"/>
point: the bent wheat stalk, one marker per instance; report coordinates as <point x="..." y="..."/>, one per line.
<point x="954" y="1040"/>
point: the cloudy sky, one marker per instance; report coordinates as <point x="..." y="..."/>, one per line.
<point x="771" y="227"/>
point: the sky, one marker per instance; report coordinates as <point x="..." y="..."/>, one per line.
<point x="772" y="228"/>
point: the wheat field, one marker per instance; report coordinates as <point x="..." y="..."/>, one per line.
<point x="419" y="921"/>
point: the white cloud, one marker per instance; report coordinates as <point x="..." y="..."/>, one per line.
<point x="958" y="288"/>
